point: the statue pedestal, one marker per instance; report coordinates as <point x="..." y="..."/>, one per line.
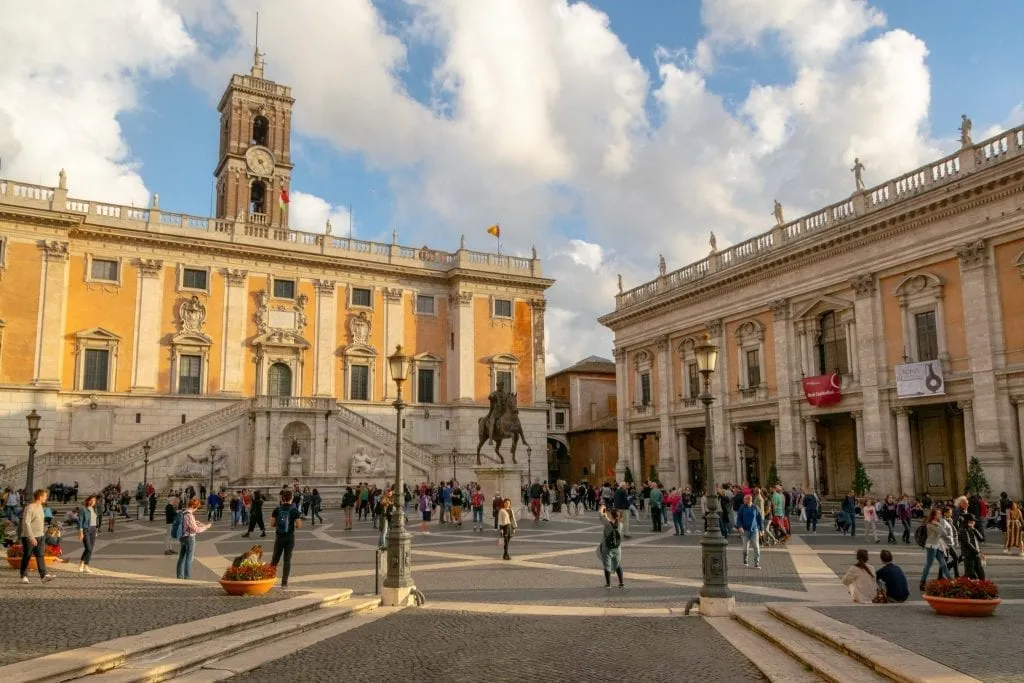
<point x="505" y="479"/>
<point x="295" y="466"/>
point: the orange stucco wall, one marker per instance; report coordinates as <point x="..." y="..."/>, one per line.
<point x="1011" y="298"/>
<point x="425" y="333"/>
<point x="19" y="309"/>
<point x="499" y="336"/>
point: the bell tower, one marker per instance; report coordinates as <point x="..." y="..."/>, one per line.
<point x="254" y="165"/>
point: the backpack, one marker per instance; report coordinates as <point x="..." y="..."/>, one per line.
<point x="612" y="538"/>
<point x="176" y="526"/>
<point x="284" y="519"/>
<point x="921" y="535"/>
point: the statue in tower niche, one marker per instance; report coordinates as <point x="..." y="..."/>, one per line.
<point x="500" y="423"/>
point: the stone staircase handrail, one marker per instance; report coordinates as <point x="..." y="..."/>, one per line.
<point x="420" y="456"/>
<point x="176" y="434"/>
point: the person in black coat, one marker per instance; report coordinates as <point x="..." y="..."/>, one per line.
<point x="970" y="548"/>
<point x="256" y="515"/>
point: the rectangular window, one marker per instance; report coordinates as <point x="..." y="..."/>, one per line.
<point x="502" y="308"/>
<point x="425" y="385"/>
<point x="693" y="379"/>
<point x="95" y="374"/>
<point x="645" y="389"/>
<point x="190" y="370"/>
<point x="284" y="289"/>
<point x="425" y="304"/>
<point x="927" y="336"/>
<point x="359" y="383"/>
<point x="504" y="376"/>
<point x="194" y="278"/>
<point x="361" y="297"/>
<point x="103" y="269"/>
<point x="560" y="419"/>
<point x="753" y="369"/>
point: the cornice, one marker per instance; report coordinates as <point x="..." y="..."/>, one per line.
<point x="46" y="218"/>
<point x="876" y="226"/>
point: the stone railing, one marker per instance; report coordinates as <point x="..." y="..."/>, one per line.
<point x="293" y="403"/>
<point x="176" y="435"/>
<point x="977" y="157"/>
<point x="253" y="230"/>
<point x="642" y="410"/>
<point x="413" y="454"/>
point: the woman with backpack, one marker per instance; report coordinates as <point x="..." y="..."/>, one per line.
<point x="610" y="550"/>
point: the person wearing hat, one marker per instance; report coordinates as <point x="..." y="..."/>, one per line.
<point x="970" y="548"/>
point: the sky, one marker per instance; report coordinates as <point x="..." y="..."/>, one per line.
<point x="605" y="133"/>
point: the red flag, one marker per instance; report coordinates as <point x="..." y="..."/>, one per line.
<point x="284" y="198"/>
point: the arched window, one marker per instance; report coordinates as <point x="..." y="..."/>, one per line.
<point x="258" y="198"/>
<point x="279" y="380"/>
<point x="832" y="356"/>
<point x="260" y="131"/>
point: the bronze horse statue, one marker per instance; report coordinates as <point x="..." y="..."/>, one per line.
<point x="506" y="425"/>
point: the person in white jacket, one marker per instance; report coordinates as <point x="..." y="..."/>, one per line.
<point x="860" y="579"/>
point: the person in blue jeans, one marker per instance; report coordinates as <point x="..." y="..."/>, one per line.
<point x="190" y="528"/>
<point x="750" y="521"/>
<point x="933" y="547"/>
<point x="850" y="507"/>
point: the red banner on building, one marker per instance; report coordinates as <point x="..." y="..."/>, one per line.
<point x="823" y="390"/>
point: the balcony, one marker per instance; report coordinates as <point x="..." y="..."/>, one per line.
<point x="752" y="394"/>
<point x="642" y="410"/>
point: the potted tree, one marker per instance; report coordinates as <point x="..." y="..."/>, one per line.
<point x="962" y="597"/>
<point x="249" y="578"/>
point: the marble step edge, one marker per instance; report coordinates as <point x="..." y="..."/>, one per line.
<point x="887" y="658"/>
<point x="774" y="664"/>
<point x="828" y="663"/>
<point x="71" y="664"/>
<point x="246" y="644"/>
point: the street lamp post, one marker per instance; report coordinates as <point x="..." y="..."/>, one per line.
<point x="213" y="457"/>
<point x="145" y="463"/>
<point x="455" y="455"/>
<point x="715" y="598"/>
<point x="814" y="463"/>
<point x="398" y="580"/>
<point x="33" y="419"/>
<point x="529" y="465"/>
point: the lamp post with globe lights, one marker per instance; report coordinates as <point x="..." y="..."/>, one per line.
<point x="145" y="463"/>
<point x="398" y="580"/>
<point x="33" y="419"/>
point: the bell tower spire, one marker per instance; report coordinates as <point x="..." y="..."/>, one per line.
<point x="254" y="167"/>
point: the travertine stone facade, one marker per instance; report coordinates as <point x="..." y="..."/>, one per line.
<point x="120" y="324"/>
<point x="925" y="267"/>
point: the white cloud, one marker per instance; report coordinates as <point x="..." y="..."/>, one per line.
<point x="309" y="213"/>
<point x="538" y="116"/>
<point x="68" y="71"/>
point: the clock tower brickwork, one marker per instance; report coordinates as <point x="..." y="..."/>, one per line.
<point x="254" y="164"/>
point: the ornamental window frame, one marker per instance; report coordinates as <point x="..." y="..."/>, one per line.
<point x="274" y="279"/>
<point x="503" y="362"/>
<point x="362" y="355"/>
<point x="426" y="361"/>
<point x="351" y="296"/>
<point x="511" y="308"/>
<point x="643" y="365"/>
<point x="119" y="269"/>
<point x="181" y="278"/>
<point x="687" y="358"/>
<point x="187" y="344"/>
<point x="426" y="297"/>
<point x="922" y="292"/>
<point x="97" y="339"/>
<point x="750" y="337"/>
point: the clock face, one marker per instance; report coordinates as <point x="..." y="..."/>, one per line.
<point x="259" y="160"/>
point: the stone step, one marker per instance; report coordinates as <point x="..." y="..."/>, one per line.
<point x="248" y="645"/>
<point x="776" y="665"/>
<point x="111" y="654"/>
<point x="882" y="656"/>
<point x="825" y="661"/>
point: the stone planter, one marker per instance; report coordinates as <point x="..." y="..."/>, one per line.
<point x="962" y="607"/>
<point x="247" y="587"/>
<point x="15" y="563"/>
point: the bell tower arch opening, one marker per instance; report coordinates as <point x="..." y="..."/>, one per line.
<point x="260" y="131"/>
<point x="258" y="200"/>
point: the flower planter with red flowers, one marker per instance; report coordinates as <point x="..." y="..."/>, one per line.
<point x="249" y="579"/>
<point x="14" y="553"/>
<point x="962" y="597"/>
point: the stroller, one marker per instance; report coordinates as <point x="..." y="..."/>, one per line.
<point x="843" y="522"/>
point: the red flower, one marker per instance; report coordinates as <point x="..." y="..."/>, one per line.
<point x="962" y="588"/>
<point x="252" y="572"/>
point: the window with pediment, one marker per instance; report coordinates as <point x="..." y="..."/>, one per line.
<point x="642" y="367"/>
<point x="922" y="306"/>
<point x="826" y="333"/>
<point x="832" y="355"/>
<point x="750" y="346"/>
<point x="426" y="378"/>
<point x="503" y="367"/>
<point x="690" y="388"/>
<point x="96" y="359"/>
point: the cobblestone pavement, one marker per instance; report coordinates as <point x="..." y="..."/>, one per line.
<point x="987" y="649"/>
<point x="460" y="646"/>
<point x="76" y="610"/>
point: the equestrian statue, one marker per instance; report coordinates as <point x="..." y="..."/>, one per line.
<point x="500" y="423"/>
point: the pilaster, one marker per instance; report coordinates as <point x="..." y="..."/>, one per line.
<point x="810" y="436"/>
<point x="325" y="342"/>
<point x="235" y="326"/>
<point x="906" y="453"/>
<point x="621" y="411"/>
<point x="719" y="389"/>
<point x="666" y="447"/>
<point x="148" y="308"/>
<point x="868" y="333"/>
<point x="394" y="332"/>
<point x="537" y="306"/>
<point x="970" y="441"/>
<point x="53" y="280"/>
<point x="740" y="442"/>
<point x="461" y="366"/>
<point x="682" y="458"/>
<point x="787" y="428"/>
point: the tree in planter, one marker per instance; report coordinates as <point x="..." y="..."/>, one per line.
<point x="861" y="481"/>
<point x="654" y="475"/>
<point x="629" y="475"/>
<point x="773" y="476"/>
<point x="976" y="482"/>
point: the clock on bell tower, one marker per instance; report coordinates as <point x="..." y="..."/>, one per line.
<point x="254" y="166"/>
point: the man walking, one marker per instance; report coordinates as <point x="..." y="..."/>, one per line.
<point x="256" y="515"/>
<point x="850" y="507"/>
<point x="750" y="521"/>
<point x="285" y="519"/>
<point x="30" y="531"/>
<point x="620" y="502"/>
<point x="657" y="500"/>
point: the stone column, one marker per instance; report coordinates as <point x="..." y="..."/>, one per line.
<point x="787" y="423"/>
<point x="236" y="299"/>
<point x="461" y="363"/>
<point x="539" y="372"/>
<point x="869" y="373"/>
<point x="979" y="297"/>
<point x="682" y="458"/>
<point x="851" y="347"/>
<point x="148" y="314"/>
<point x="777" y="435"/>
<point x="721" y="462"/>
<point x="394" y="333"/>
<point x="50" y="331"/>
<point x="740" y="436"/>
<point x="858" y="424"/>
<point x="1019" y="402"/>
<point x="906" y="451"/>
<point x="326" y="338"/>
<point x="634" y="457"/>
<point x="666" y="447"/>
<point x="969" y="433"/>
<point x="810" y="435"/>
<point x="621" y="408"/>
